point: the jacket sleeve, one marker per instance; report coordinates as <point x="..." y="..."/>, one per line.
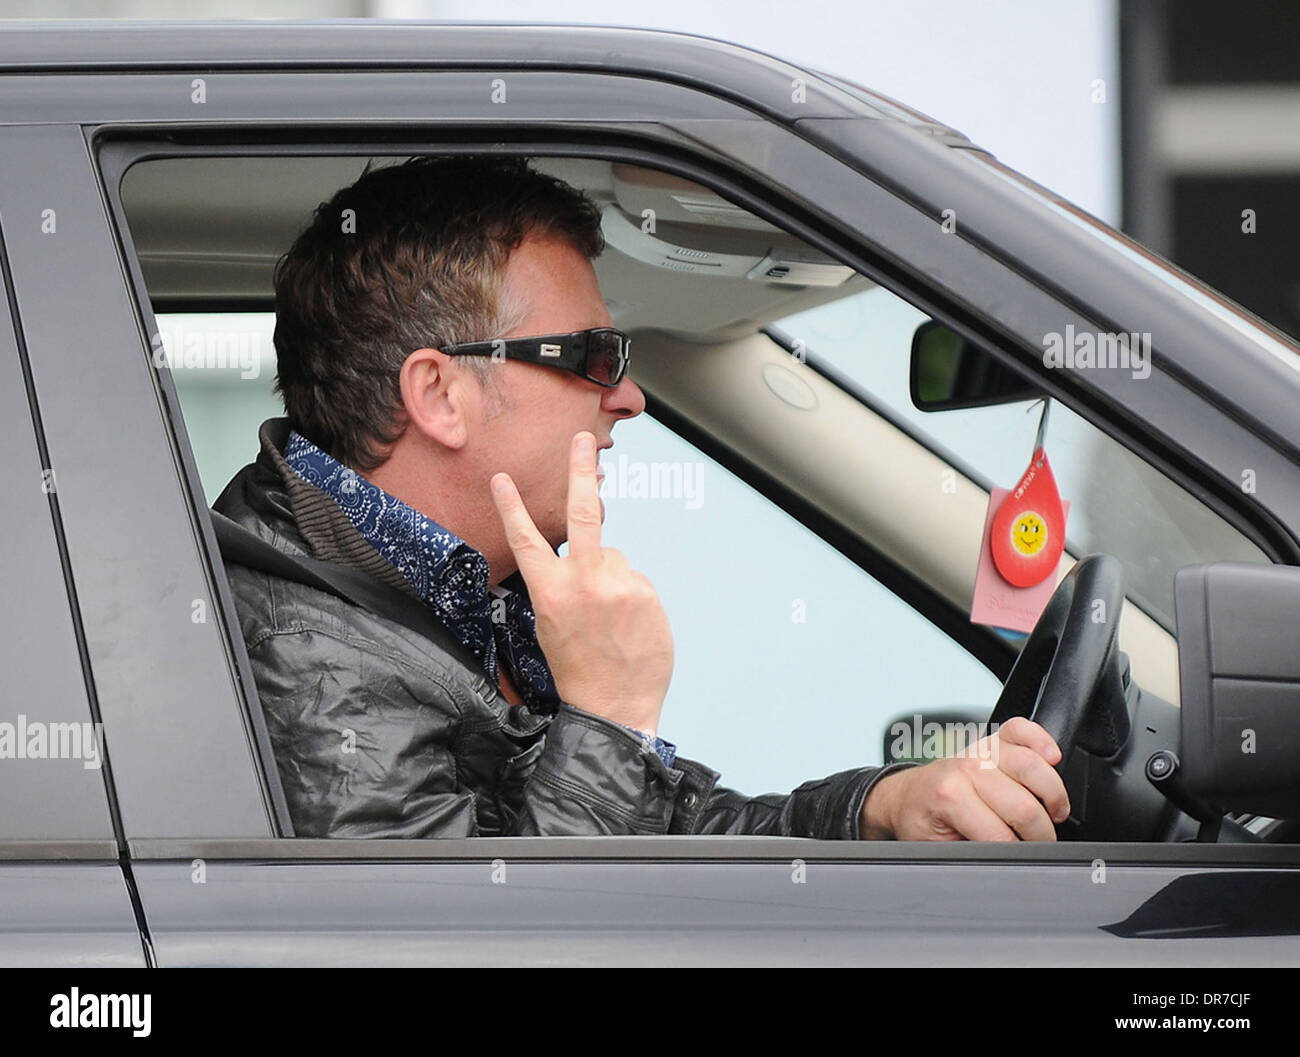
<point x="825" y="808"/>
<point x="597" y="777"/>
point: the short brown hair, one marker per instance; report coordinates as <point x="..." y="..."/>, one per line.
<point x="417" y="263"/>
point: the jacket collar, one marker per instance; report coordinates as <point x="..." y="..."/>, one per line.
<point x="326" y="530"/>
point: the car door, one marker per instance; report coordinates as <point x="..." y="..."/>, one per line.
<point x="65" y="896"/>
<point x="221" y="879"/>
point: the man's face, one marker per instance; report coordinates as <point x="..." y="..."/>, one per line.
<point x="527" y="424"/>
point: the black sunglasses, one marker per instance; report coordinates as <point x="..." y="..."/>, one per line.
<point x="600" y="355"/>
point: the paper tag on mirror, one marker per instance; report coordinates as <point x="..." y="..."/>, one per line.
<point x="997" y="602"/>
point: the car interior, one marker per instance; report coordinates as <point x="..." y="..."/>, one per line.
<point x="707" y="290"/>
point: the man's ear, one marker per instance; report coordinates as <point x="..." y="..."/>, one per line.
<point x="433" y="396"/>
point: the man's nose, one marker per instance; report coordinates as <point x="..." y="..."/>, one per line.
<point x="626" y="399"/>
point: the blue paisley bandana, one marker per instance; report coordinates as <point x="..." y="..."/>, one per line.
<point x="444" y="570"/>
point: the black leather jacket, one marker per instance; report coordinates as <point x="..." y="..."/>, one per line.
<point x="378" y="732"/>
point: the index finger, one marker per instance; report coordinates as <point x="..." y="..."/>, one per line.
<point x="584" y="499"/>
<point x="532" y="553"/>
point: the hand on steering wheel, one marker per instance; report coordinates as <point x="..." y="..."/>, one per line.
<point x="1071" y="654"/>
<point x="1067" y="681"/>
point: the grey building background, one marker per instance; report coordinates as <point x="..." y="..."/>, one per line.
<point x="1210" y="137"/>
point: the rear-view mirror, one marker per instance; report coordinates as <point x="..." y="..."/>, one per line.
<point x="948" y="372"/>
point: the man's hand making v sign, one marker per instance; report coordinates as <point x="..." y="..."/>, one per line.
<point x="600" y="623"/>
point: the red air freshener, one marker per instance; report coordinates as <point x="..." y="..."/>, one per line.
<point x="1028" y="533"/>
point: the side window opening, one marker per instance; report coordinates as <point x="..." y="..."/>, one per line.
<point x="832" y="649"/>
<point x="807" y="615"/>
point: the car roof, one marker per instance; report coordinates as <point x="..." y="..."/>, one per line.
<point x="744" y="75"/>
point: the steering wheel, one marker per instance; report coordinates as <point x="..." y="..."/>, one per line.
<point x="1071" y="660"/>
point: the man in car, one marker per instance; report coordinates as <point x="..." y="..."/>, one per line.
<point x="449" y="374"/>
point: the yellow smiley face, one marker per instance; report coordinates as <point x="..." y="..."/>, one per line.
<point x="1028" y="533"/>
